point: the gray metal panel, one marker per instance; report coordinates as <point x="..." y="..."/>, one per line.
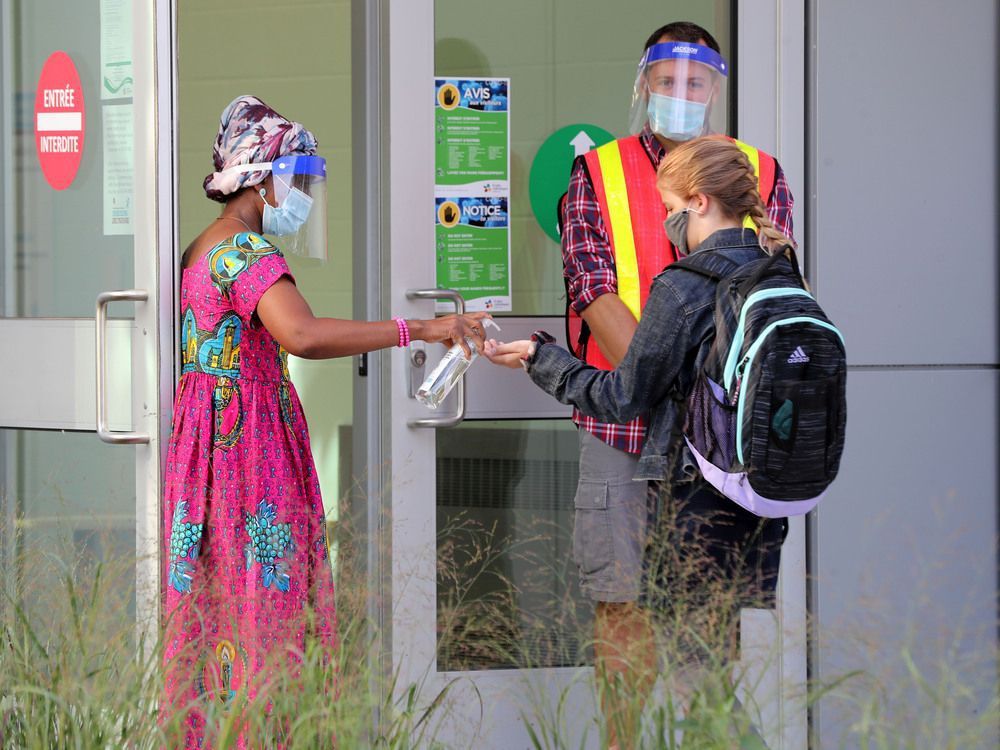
<point x="906" y="552"/>
<point x="905" y="178"/>
<point x="493" y="392"/>
<point x="56" y="388"/>
<point x="771" y="110"/>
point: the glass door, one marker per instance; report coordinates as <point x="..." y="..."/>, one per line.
<point x="486" y="612"/>
<point x="86" y="237"/>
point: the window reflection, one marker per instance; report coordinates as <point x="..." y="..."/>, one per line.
<point x="508" y="595"/>
<point x="67" y="525"/>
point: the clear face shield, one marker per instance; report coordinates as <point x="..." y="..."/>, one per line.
<point x="680" y="90"/>
<point x="296" y="209"/>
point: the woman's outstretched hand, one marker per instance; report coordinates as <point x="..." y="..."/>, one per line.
<point x="451" y="330"/>
<point x="287" y="316"/>
<point x="510" y="354"/>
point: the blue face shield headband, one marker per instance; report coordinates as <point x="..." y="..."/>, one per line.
<point x="676" y="84"/>
<point x="296" y="210"/>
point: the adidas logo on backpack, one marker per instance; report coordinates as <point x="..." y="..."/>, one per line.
<point x="767" y="415"/>
<point x="798" y="356"/>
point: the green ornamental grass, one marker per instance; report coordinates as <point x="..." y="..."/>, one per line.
<point x="77" y="671"/>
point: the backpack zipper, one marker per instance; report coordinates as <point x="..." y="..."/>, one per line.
<point x="740" y="332"/>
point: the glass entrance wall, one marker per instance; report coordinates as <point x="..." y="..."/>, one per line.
<point x="58" y="252"/>
<point x="569" y="62"/>
<point x="68" y="506"/>
<point x="306" y="77"/>
<point x="507" y="590"/>
<point x="67" y="500"/>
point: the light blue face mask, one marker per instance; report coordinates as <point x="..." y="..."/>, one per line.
<point x="676" y="119"/>
<point x="287" y="218"/>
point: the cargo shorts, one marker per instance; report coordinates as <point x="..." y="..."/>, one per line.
<point x="611" y="522"/>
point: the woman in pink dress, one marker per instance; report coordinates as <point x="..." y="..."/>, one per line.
<point x="248" y="586"/>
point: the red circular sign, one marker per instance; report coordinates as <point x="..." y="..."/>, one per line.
<point x="59" y="120"/>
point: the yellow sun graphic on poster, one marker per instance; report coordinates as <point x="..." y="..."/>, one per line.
<point x="449" y="214"/>
<point x="448" y="96"/>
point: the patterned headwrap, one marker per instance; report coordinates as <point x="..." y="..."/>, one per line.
<point x="250" y="132"/>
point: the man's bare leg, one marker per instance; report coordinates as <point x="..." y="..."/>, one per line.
<point x="625" y="662"/>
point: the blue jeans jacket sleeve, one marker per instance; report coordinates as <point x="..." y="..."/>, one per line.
<point x="667" y="352"/>
<point x="641" y="380"/>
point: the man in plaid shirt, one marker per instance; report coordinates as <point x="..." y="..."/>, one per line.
<point x="608" y="544"/>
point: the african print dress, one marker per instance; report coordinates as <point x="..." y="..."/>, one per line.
<point x="247" y="579"/>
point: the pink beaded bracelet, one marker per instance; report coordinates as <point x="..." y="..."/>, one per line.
<point x="404" y="332"/>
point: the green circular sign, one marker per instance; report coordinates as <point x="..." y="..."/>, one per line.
<point x="551" y="166"/>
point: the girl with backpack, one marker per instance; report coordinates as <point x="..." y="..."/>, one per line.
<point x="708" y="557"/>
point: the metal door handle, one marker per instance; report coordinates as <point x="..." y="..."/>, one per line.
<point x="456" y="299"/>
<point x="101" y="319"/>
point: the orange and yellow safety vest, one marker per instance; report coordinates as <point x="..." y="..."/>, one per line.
<point x="624" y="181"/>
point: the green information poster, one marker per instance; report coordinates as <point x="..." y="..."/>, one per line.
<point x="472" y="190"/>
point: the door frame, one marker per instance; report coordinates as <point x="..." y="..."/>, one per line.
<point x="369" y="497"/>
<point x="148" y="336"/>
<point x="409" y="599"/>
<point x="770" y="53"/>
<point x="156" y="227"/>
<point x="771" y="114"/>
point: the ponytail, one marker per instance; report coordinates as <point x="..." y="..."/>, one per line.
<point x="771" y="239"/>
<point x="714" y="165"/>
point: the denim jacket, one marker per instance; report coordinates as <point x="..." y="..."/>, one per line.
<point x="667" y="351"/>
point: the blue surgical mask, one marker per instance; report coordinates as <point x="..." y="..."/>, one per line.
<point x="676" y="119"/>
<point x="289" y="216"/>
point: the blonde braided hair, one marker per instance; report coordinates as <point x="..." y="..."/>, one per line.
<point x="715" y="166"/>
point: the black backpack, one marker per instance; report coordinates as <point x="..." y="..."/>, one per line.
<point x="766" y="416"/>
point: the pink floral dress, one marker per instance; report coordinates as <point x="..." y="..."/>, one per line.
<point x="247" y="564"/>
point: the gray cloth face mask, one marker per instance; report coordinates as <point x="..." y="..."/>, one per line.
<point x="676" y="226"/>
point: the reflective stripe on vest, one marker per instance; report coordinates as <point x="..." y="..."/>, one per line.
<point x="624" y="181"/>
<point x="763" y="167"/>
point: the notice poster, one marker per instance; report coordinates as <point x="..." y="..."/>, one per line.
<point x="117" y="81"/>
<point x="472" y="236"/>
<point x="472" y="190"/>
<point x="119" y="170"/>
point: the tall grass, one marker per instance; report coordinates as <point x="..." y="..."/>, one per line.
<point x="73" y="671"/>
<point x="77" y="672"/>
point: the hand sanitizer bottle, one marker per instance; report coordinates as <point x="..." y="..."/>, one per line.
<point x="452" y="366"/>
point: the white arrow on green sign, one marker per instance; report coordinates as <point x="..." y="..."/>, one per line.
<point x="549" y="176"/>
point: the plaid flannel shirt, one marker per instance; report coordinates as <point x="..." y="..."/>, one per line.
<point x="589" y="267"/>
